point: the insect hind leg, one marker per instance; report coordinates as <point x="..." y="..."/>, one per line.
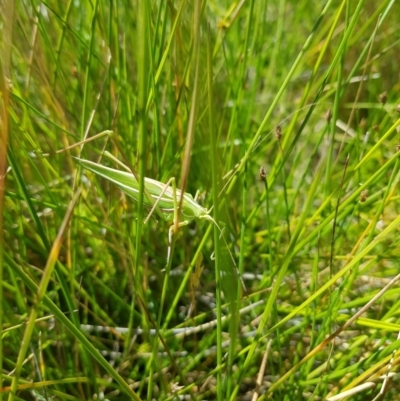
<point x="171" y="232"/>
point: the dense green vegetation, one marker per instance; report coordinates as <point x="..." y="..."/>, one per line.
<point x="284" y="116"/>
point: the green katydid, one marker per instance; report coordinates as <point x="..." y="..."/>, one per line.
<point x="160" y="196"/>
<point x="163" y="195"/>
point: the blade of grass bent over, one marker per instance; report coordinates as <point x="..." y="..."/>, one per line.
<point x="40" y="228"/>
<point x="74" y="330"/>
<point x="51" y="261"/>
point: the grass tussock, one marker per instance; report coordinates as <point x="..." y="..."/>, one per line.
<point x="284" y="117"/>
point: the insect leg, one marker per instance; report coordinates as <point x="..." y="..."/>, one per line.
<point x="159" y="199"/>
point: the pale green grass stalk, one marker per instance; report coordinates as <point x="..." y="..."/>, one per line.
<point x="216" y="213"/>
<point x="144" y="76"/>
